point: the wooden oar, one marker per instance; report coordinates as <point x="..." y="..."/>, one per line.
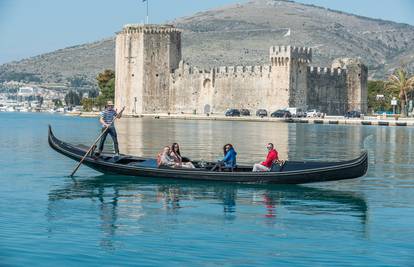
<point x="96" y="141"/>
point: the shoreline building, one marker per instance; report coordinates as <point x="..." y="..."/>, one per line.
<point x="151" y="77"/>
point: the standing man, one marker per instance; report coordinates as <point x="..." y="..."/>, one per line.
<point x="272" y="157"/>
<point x="106" y="118"/>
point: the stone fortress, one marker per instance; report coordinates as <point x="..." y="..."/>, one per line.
<point x="151" y="78"/>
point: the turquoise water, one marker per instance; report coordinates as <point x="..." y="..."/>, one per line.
<point x="48" y="219"/>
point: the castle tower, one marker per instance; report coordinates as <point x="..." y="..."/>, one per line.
<point x="145" y="55"/>
<point x="356" y="81"/>
<point x="290" y="65"/>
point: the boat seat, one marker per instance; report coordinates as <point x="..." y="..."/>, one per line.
<point x="278" y="166"/>
<point x="152" y="163"/>
<point x="217" y="167"/>
<point x="229" y="169"/>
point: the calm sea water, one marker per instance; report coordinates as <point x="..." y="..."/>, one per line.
<point x="48" y="219"/>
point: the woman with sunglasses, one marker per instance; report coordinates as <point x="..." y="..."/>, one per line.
<point x="175" y="154"/>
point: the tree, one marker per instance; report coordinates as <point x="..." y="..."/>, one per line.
<point x="93" y="93"/>
<point x="88" y="104"/>
<point x="73" y="98"/>
<point x="106" y="83"/>
<point x="58" y="103"/>
<point x="399" y="83"/>
<point x="100" y="101"/>
<point x="376" y="88"/>
<point x="39" y="99"/>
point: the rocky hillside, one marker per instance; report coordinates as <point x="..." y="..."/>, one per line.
<point x="242" y="34"/>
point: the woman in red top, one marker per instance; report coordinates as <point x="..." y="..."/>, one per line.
<point x="266" y="165"/>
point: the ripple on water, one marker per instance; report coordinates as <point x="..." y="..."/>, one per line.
<point x="98" y="220"/>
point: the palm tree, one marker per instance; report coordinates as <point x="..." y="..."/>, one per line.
<point x="401" y="83"/>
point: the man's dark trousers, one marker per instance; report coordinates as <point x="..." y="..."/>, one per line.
<point x="112" y="132"/>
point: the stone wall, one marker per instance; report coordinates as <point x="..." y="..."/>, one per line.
<point x="270" y="87"/>
<point x="129" y="52"/>
<point x="145" y="57"/>
<point x="357" y="82"/>
<point x="216" y="90"/>
<point x="161" y="56"/>
<point x="327" y="90"/>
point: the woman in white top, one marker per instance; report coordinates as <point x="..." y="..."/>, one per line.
<point x="176" y="156"/>
<point x="165" y="159"/>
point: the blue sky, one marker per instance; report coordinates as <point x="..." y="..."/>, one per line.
<point x="32" y="27"/>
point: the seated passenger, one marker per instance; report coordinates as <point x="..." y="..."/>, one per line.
<point x="164" y="159"/>
<point x="272" y="157"/>
<point x="229" y="160"/>
<point x="176" y="156"/>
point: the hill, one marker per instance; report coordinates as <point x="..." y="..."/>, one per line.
<point x="242" y="34"/>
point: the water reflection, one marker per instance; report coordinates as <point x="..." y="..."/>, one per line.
<point x="201" y="139"/>
<point x="204" y="139"/>
<point x="125" y="204"/>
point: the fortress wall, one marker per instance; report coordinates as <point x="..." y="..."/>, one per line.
<point x="241" y="87"/>
<point x="221" y="88"/>
<point x="129" y="75"/>
<point x="159" y="60"/>
<point x="327" y="90"/>
<point x="292" y="62"/>
<point x="145" y="57"/>
<point x="185" y="89"/>
<point x="357" y="83"/>
<point x="298" y="84"/>
<point x="278" y="95"/>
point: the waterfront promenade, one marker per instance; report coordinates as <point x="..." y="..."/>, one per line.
<point x="366" y="120"/>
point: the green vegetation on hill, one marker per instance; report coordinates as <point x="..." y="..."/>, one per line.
<point x="20" y="77"/>
<point x="79" y="81"/>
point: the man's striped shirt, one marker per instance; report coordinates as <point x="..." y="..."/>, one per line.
<point x="108" y="115"/>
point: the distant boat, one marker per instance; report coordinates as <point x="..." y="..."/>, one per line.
<point x="292" y="172"/>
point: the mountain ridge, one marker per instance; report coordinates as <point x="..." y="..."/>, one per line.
<point x="241" y="34"/>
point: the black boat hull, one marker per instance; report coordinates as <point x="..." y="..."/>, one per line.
<point x="312" y="172"/>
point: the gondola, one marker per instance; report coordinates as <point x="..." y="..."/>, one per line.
<point x="291" y="172"/>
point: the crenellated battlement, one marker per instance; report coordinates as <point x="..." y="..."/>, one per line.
<point x="282" y="55"/>
<point x="149" y="28"/>
<point x="186" y="70"/>
<point x="326" y="71"/>
<point x="251" y="70"/>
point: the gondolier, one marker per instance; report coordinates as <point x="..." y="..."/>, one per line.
<point x="106" y="118"/>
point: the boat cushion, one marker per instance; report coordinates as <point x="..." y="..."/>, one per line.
<point x="151" y="163"/>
